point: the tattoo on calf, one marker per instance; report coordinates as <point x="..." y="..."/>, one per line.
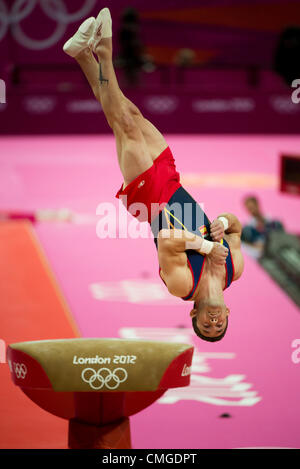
<point x="101" y="77"/>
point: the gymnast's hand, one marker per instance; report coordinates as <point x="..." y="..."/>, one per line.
<point x="217" y="230"/>
<point x="218" y="254"/>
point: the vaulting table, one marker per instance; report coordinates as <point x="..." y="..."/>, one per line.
<point x="98" y="383"/>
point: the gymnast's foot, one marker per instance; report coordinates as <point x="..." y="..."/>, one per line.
<point x="101" y="40"/>
<point x="79" y="41"/>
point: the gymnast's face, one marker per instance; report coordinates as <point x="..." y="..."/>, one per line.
<point x="211" y="318"/>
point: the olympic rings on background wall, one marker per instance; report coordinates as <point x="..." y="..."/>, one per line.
<point x="54" y="9"/>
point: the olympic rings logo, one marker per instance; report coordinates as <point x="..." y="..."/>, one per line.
<point x="54" y="9"/>
<point x="20" y="370"/>
<point x="161" y="104"/>
<point x="104" y="377"/>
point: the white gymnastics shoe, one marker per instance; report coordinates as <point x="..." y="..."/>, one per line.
<point x="80" y="40"/>
<point x="102" y="28"/>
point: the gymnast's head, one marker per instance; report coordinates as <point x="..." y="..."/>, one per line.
<point x="210" y="320"/>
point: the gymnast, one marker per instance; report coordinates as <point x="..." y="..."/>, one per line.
<point x="198" y="259"/>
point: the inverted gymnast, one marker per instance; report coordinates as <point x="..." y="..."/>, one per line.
<point x="197" y="259"/>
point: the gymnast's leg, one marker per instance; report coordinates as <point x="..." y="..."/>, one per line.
<point x="117" y="107"/>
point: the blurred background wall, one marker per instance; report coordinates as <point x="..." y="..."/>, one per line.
<point x="209" y="66"/>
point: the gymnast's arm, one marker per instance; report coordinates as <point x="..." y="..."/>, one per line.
<point x="173" y="262"/>
<point x="178" y="241"/>
<point x="228" y="224"/>
<point x="233" y="236"/>
<point x="234" y="225"/>
<point x="172" y="245"/>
